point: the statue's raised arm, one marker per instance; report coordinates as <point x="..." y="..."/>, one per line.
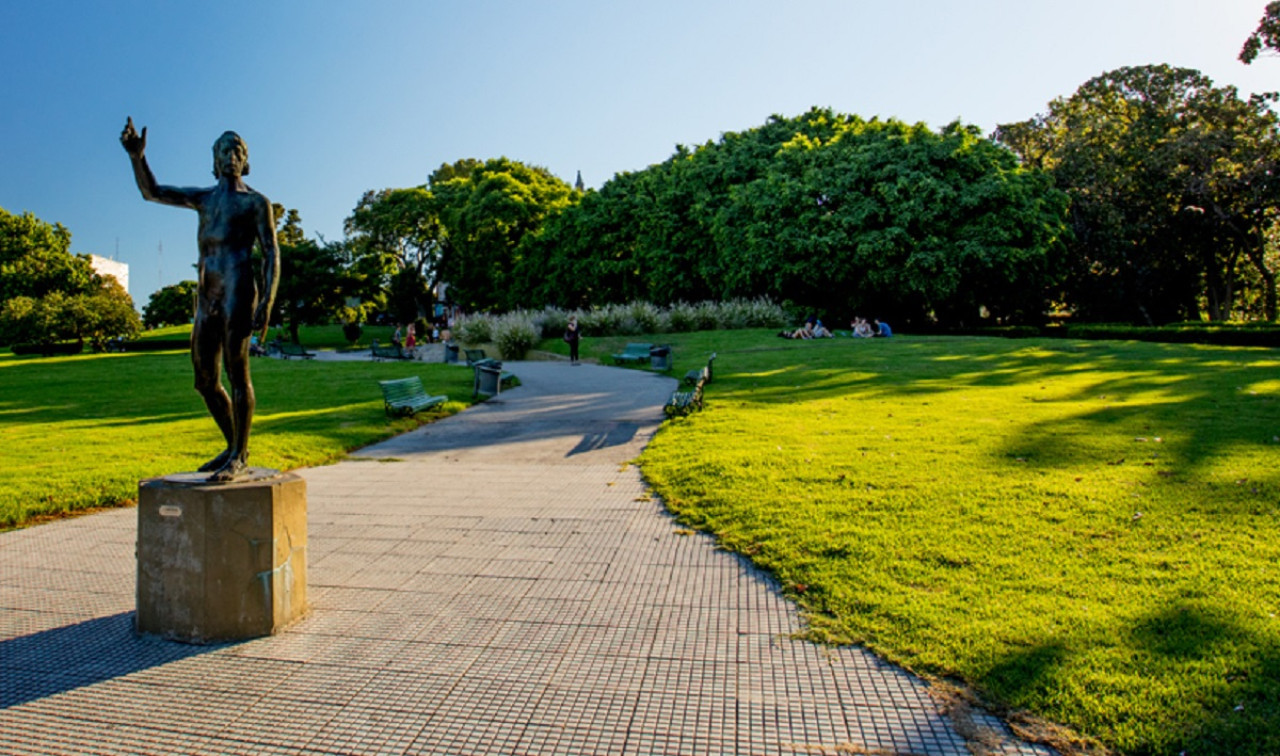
<point x="136" y="145"/>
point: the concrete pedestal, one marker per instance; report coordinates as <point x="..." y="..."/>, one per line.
<point x="220" y="562"/>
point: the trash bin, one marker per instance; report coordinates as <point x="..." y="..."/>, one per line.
<point x="450" y="352"/>
<point x="660" y="357"/>
<point x="488" y="378"/>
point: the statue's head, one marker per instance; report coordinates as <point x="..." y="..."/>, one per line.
<point x="230" y="156"/>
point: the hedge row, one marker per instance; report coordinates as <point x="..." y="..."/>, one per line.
<point x="1220" y="334"/>
<point x="48" y="350"/>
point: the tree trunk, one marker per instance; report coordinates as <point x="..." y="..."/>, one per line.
<point x="1257" y="256"/>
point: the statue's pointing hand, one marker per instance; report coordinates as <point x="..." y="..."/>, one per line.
<point x="134" y="144"/>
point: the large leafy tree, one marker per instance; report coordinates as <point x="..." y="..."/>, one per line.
<point x="898" y="219"/>
<point x="1172" y="182"/>
<point x="487" y="210"/>
<point x="396" y="242"/>
<point x="47" y="294"/>
<point x="103" y="310"/>
<point x="825" y="210"/>
<point x="174" y="304"/>
<point x="318" y="280"/>
<point x="36" y="259"/>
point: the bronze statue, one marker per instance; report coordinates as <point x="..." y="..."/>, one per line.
<point x="229" y="307"/>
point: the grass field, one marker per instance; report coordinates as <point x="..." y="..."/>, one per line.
<point x="1082" y="530"/>
<point x="80" y="432"/>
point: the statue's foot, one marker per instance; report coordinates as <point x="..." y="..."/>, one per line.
<point x="231" y="471"/>
<point x="217" y="463"/>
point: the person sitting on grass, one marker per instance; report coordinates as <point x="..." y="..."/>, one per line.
<point x="820" y="331"/>
<point x="803" y="332"/>
<point x="861" y="328"/>
<point x="883" y="329"/>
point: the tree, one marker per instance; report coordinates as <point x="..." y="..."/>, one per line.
<point x="395" y="237"/>
<point x="102" y="312"/>
<point x="1265" y="37"/>
<point x="36" y="259"/>
<point x="1172" y="182"/>
<point x="174" y="304"/>
<point x="486" y="210"/>
<point x="48" y="294"/>
<point x="316" y="281"/>
<point x="826" y="210"/>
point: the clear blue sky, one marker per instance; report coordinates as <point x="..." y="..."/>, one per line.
<point x="336" y="98"/>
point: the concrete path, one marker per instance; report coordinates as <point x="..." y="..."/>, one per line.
<point x="500" y="582"/>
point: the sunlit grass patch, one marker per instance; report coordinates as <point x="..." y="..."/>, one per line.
<point x="80" y="432"/>
<point x="1082" y="530"/>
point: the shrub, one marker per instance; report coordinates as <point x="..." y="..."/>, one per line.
<point x="682" y="317"/>
<point x="706" y="316"/>
<point x="515" y="334"/>
<point x="551" y="322"/>
<point x="474" y="329"/>
<point x="646" y="317"/>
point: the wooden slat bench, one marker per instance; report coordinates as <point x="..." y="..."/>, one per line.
<point x="388" y="352"/>
<point x="406" y="396"/>
<point x="289" y="349"/>
<point x="636" y="352"/>
<point x="693" y="376"/>
<point x="684" y="402"/>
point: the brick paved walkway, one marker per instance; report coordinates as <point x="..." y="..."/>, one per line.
<point x="499" y="582"/>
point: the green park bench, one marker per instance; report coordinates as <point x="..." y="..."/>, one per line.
<point x="406" y="396"/>
<point x="288" y="349"/>
<point x="633" y="353"/>
<point x="475" y="356"/>
<point x="684" y="402"/>
<point x="388" y="351"/>
<point x="693" y="376"/>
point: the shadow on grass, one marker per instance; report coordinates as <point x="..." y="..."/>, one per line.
<point x="1236" y="713"/>
<point x="1196" y="397"/>
<point x="65" y="658"/>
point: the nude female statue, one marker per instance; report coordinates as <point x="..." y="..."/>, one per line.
<point x="229" y="307"/>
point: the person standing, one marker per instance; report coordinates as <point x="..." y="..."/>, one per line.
<point x="572" y="335"/>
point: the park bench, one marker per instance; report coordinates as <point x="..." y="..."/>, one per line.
<point x="633" y="353"/>
<point x="475" y="356"/>
<point x="289" y="349"/>
<point x="693" y="376"/>
<point x="388" y="352"/>
<point x="490" y="378"/>
<point x="405" y="396"/>
<point x="684" y="402"/>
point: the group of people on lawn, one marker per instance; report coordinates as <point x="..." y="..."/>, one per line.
<point x="813" y="328"/>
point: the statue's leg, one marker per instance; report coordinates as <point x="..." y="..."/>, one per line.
<point x="206" y="360"/>
<point x="241" y="302"/>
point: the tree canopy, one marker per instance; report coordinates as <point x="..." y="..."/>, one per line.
<point x="174" y="304"/>
<point x="827" y="210"/>
<point x="1173" y="182"/>
<point x="1265" y="37"/>
<point x="47" y="294"/>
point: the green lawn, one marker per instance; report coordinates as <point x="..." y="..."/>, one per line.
<point x="1082" y="530"/>
<point x="79" y="432"/>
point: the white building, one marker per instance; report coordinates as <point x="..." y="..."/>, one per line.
<point x="104" y="266"/>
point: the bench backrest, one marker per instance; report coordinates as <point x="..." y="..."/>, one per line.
<point x="475" y="355"/>
<point x="402" y="388"/>
<point x="638" y="348"/>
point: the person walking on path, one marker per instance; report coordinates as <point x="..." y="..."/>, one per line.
<point x="572" y="335"/>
